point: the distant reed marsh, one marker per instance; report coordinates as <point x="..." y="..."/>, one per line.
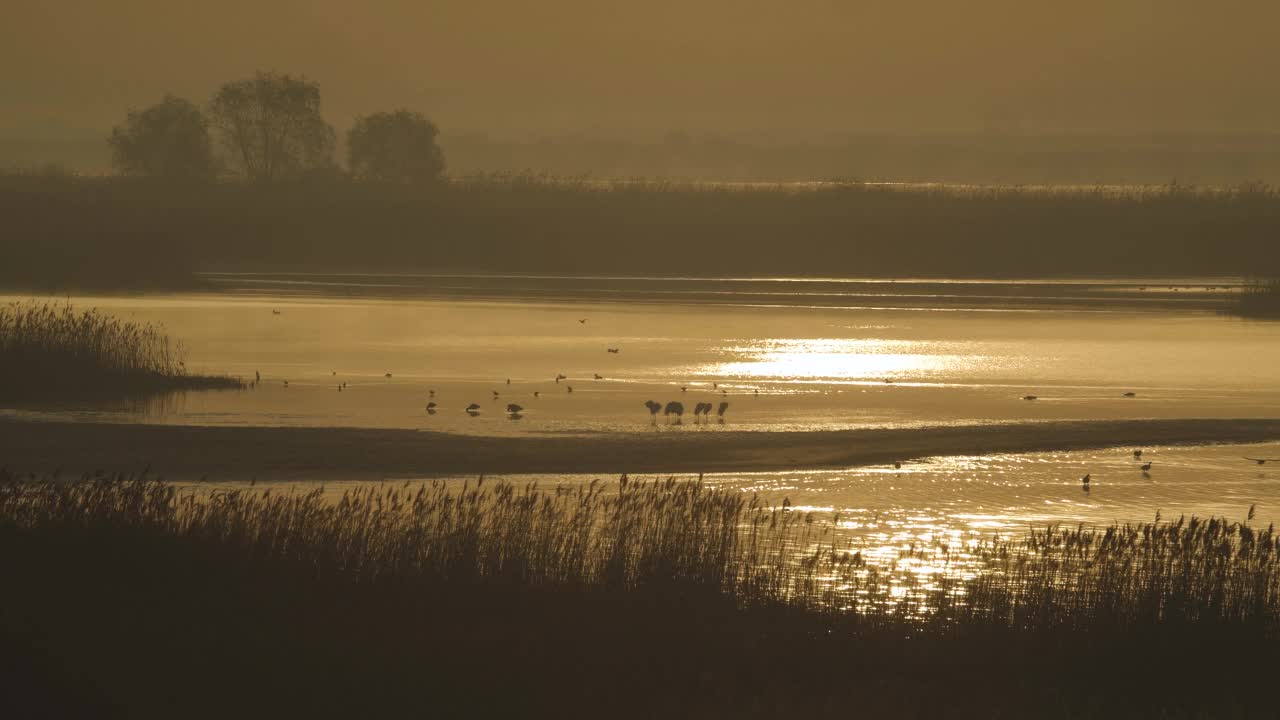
<point x="117" y="232"/>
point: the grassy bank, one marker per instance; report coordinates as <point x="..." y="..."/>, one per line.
<point x="95" y="232"/>
<point x="624" y="600"/>
<point x="50" y="350"/>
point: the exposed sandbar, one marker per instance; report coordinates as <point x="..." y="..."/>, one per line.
<point x="232" y="452"/>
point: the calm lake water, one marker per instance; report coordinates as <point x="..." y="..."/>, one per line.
<point x="784" y="366"/>
<point x="869" y="354"/>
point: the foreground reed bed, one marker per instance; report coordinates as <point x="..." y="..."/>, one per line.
<point x="50" y="349"/>
<point x="635" y="599"/>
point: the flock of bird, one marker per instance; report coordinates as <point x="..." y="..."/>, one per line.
<point x="515" y="410"/>
<point x="1145" y="467"/>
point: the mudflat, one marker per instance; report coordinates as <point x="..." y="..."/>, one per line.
<point x="240" y="452"/>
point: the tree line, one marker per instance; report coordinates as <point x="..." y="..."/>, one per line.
<point x="270" y="128"/>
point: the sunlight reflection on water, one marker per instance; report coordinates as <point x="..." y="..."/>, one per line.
<point x="918" y="528"/>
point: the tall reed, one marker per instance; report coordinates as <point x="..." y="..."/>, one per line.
<point x="47" y="348"/>
<point x="681" y="537"/>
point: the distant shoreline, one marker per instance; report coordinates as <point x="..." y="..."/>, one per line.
<point x="241" y="453"/>
<point x="116" y="233"/>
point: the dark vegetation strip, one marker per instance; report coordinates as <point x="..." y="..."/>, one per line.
<point x="114" y="232"/>
<point x="51" y="350"/>
<point x="128" y="598"/>
<point x="234" y="452"/>
<point x="1260" y="299"/>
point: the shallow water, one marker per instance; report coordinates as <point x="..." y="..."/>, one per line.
<point x="785" y="355"/>
<point x="787" y="366"/>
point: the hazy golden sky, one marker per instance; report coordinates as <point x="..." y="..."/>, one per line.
<point x="820" y="66"/>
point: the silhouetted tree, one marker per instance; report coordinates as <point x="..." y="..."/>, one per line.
<point x="397" y="146"/>
<point x="169" y="139"/>
<point x="271" y="126"/>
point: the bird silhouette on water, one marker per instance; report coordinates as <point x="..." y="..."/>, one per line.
<point x="653" y="407"/>
<point x="1137" y="454"/>
<point x="615" y="351"/>
<point x="720" y="410"/>
<point x="473" y="409"/>
<point x="1263" y="461"/>
<point x="1146" y="467"/>
<point x="514" y="410"/>
<point x="701" y="409"/>
<point x="674" y="408"/>
<point x="431" y="408"/>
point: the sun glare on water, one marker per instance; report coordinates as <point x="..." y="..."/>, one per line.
<point x="867" y="359"/>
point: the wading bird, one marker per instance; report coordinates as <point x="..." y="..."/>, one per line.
<point x="257" y="376"/>
<point x="275" y="312"/>
<point x="495" y="394"/>
<point x="473" y="409"/>
<point x="674" y="408"/>
<point x="582" y="321"/>
<point x="615" y="351"/>
<point x="598" y="376"/>
<point x="431" y="408"/>
<point x="654" y="407"/>
<point x="897" y="465"/>
<point x="1030" y="397"/>
<point x="514" y="409"/>
<point x="1146" y="467"/>
<point x="431" y="393"/>
<point x="561" y="376"/>
<point x="720" y="410"/>
<point x="570" y="387"/>
<point x="1131" y="394"/>
<point x="1137" y="454"/>
<point x="286" y="383"/>
<point x="388" y="374"/>
<point x="537" y="394"/>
